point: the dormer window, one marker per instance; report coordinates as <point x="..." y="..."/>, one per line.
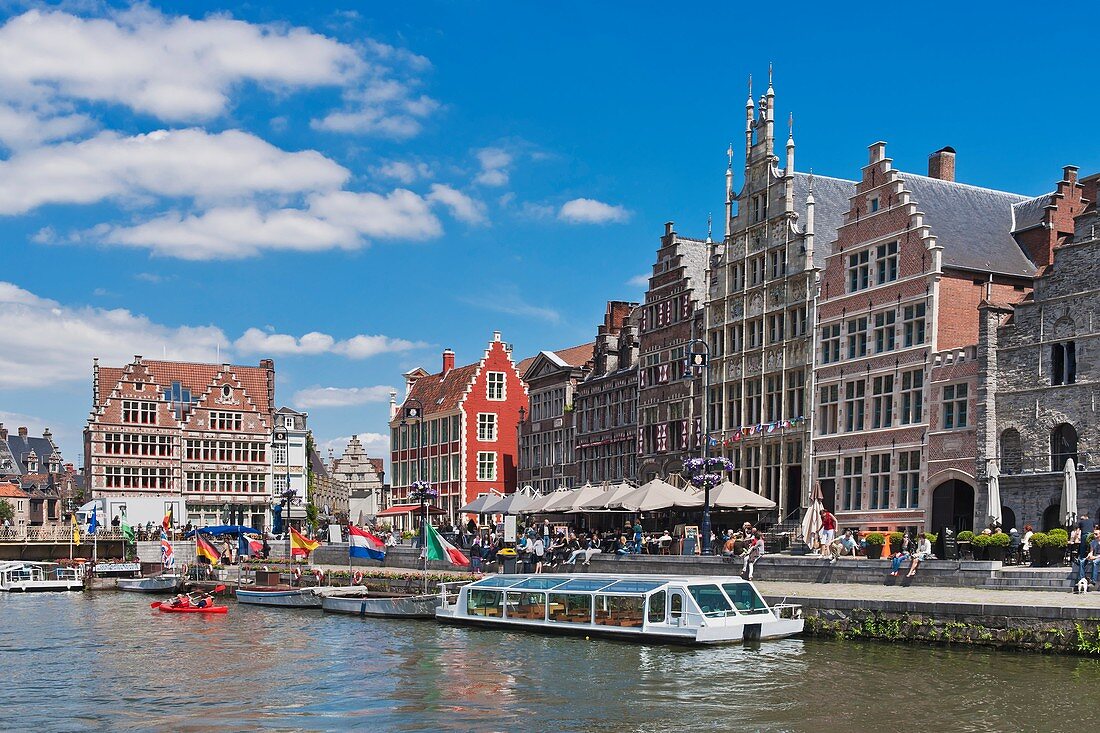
<point x="288" y="422"/>
<point x="32" y="463"/>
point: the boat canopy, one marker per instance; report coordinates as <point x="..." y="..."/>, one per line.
<point x="617" y="585"/>
<point x="221" y="529"/>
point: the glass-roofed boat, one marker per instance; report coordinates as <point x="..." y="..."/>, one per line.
<point x="660" y="608"/>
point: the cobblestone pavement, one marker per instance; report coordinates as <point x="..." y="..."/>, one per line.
<point x="925" y="594"/>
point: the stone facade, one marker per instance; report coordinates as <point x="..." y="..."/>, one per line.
<point x="35" y="464"/>
<point x="363" y="476"/>
<point x="606" y="401"/>
<point x="1042" y="374"/>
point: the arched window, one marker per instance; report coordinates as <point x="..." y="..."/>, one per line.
<point x="1063" y="446"/>
<point x="1063" y="363"/>
<point x="1012" y="453"/>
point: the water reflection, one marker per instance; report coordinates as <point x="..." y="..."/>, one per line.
<point x="106" y="662"/>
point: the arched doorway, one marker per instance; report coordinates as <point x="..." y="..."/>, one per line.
<point x="1052" y="518"/>
<point x="953" y="506"/>
<point x="1008" y="518"/>
<point x="1063" y="446"/>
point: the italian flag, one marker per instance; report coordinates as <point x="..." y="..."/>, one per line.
<point x="440" y="549"/>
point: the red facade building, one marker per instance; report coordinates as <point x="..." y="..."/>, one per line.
<point x="464" y="440"/>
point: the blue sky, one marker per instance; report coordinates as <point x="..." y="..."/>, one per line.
<point x="351" y="187"/>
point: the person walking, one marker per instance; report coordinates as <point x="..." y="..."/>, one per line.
<point x="756" y="551"/>
<point x="540" y="553"/>
<point x="828" y="532"/>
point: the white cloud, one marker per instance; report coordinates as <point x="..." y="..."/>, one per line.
<point x="340" y="396"/>
<point x="376" y="445"/>
<point x="590" y="211"/>
<point x="538" y="212"/>
<point x="46" y="342"/>
<point x="187" y="163"/>
<point x="494" y="166"/>
<point x="386" y="107"/>
<point x="462" y="206"/>
<point x="401" y="171"/>
<point x="401" y="214"/>
<point x="256" y="341"/>
<point x="639" y="281"/>
<point x="175" y="68"/>
<point x="507" y="300"/>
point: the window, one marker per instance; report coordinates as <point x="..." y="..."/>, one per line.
<point x="913" y="324"/>
<point x="857" y="338"/>
<point x="830" y="344"/>
<point x="880" y="481"/>
<point x="752" y="400"/>
<point x="736" y="338"/>
<point x="854" y="392"/>
<point x="873" y="204"/>
<point x="756" y="270"/>
<point x="1012" y="451"/>
<point x="495" y="386"/>
<point x="444" y="467"/>
<point x="884" y="331"/>
<point x="859" y="271"/>
<point x="737" y="277"/>
<point x="134" y="477"/>
<point x="456" y="427"/>
<point x="433" y="432"/>
<point x="882" y="401"/>
<point x="225" y="421"/>
<point x="774" y="398"/>
<point x="908" y="479"/>
<point x="776" y="328"/>
<point x="456" y="473"/>
<point x="140" y="413"/>
<point x="733" y="405"/>
<point x="912" y="397"/>
<point x="279" y="455"/>
<point x="954" y="406"/>
<point x="830" y="405"/>
<point x="797" y="322"/>
<point x="444" y="431"/>
<point x="778" y="263"/>
<point x="1063" y="363"/>
<point x="486" y="466"/>
<point x="486" y="426"/>
<point x="886" y="263"/>
<point x="128" y="444"/>
<point x="1063" y="446"/>
<point x="796" y="390"/>
<point x="755" y="329"/>
<point x="853" y="483"/>
<point x="288" y="421"/>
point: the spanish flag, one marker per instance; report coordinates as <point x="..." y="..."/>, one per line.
<point x="207" y="550"/>
<point x="300" y="544"/>
<point x="76" y="531"/>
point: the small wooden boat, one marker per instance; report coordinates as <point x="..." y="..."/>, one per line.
<point x="165" y="583"/>
<point x="361" y="602"/>
<point x="280" y="595"/>
<point x="164" y="607"/>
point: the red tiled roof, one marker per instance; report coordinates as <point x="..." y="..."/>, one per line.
<point x="195" y="377"/>
<point x="439" y="393"/>
<point x="378" y="465"/>
<point x="11" y="491"/>
<point x="573" y="356"/>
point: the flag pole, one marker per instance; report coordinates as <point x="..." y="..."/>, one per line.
<point x="425" y="535"/>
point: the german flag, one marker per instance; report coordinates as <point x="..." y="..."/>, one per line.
<point x="300" y="545"/>
<point x="207" y="550"/>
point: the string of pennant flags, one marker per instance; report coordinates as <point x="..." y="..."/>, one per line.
<point x="729" y="437"/>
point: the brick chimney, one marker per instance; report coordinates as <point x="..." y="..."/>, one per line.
<point x="23" y="432"/>
<point x="941" y="164"/>
<point x="3" y="432"/>
<point x="448" y="361"/>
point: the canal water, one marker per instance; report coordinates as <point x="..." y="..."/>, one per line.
<point x="105" y="662"/>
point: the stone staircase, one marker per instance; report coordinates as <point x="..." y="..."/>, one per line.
<point x="1043" y="579"/>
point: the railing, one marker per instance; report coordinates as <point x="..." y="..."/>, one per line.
<point x="1042" y="463"/>
<point x="55" y="533"/>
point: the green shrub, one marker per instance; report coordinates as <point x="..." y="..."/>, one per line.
<point x="1059" y="532"/>
<point x="1056" y="538"/>
<point x="966" y="536"/>
<point x="1000" y="540"/>
<point x="875" y="538"/>
<point x="982" y="540"/>
<point x="1040" y="539"/>
<point x="932" y="537"/>
<point x="895" y="540"/>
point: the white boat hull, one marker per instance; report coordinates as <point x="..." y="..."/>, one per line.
<point x="289" y="598"/>
<point x="381" y="606"/>
<point x="153" y="584"/>
<point x="42" y="586"/>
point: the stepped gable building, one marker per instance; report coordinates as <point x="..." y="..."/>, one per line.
<point x="606" y="402"/>
<point x="761" y="311"/>
<point x="37" y="467"/>
<point x="1041" y="356"/>
<point x="465" y="443"/>
<point x="669" y="393"/>
<point x="547" y="434"/>
<point x="195" y="438"/>
<point x="330" y="496"/>
<point x="364" y="477"/>
<point x="896" y="379"/>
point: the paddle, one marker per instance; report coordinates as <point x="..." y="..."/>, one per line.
<point x="217" y="589"/>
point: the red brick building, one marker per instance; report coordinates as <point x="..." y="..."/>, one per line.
<point x="193" y="437"/>
<point x="465" y="442"/>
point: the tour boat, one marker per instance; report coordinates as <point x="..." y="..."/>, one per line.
<point x="359" y="601"/>
<point x="280" y="595"/>
<point x="26" y="577"/>
<point x="164" y="583"/>
<point x="659" y="608"/>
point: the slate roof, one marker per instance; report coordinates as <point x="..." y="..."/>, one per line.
<point x="1029" y="214"/>
<point x="195" y="377"/>
<point x="21" y="447"/>
<point x="316" y="464"/>
<point x="832" y="200"/>
<point x="973" y="225"/>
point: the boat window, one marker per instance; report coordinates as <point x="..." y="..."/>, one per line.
<point x="540" y="583"/>
<point x="620" y="610"/>
<point x="676" y="605"/>
<point x="635" y="586"/>
<point x="571" y="608"/>
<point x="657" y="607"/>
<point x="497" y="581"/>
<point x="526" y="605"/>
<point x="745" y="598"/>
<point x="483" y="602"/>
<point x="586" y="584"/>
<point x="710" y="599"/>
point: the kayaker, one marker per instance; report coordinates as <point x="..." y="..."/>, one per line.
<point x="180" y="601"/>
<point x="204" y="601"/>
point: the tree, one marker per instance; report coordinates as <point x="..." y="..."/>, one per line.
<point x="7" y="511"/>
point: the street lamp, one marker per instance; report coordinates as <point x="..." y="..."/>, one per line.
<point x="280" y="437"/>
<point x="413" y="409"/>
<point x="701" y="360"/>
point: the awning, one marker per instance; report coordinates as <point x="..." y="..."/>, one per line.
<point x="656" y="494"/>
<point x="728" y="495"/>
<point x="399" y="509"/>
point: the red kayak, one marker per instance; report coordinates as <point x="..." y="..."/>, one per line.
<point x="192" y="609"/>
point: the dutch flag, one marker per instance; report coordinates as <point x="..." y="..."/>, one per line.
<point x="364" y="544"/>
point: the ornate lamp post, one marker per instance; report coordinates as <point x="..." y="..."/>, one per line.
<point x="413" y="409"/>
<point x="701" y="472"/>
<point x="280" y="437"/>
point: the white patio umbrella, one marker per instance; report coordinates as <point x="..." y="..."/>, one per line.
<point x="654" y="495"/>
<point x="513" y="503"/>
<point x="994" y="494"/>
<point x="1068" y="507"/>
<point x="728" y="495"/>
<point x="539" y="503"/>
<point x="578" y="497"/>
<point x="477" y="506"/>
<point x="603" y="499"/>
<point x="813" y="523"/>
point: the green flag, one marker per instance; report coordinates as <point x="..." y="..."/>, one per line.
<point x="438" y="548"/>
<point x="127" y="530"/>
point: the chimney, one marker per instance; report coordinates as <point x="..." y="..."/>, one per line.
<point x="448" y="361"/>
<point x="941" y="164"/>
<point x="23" y="432"/>
<point x="669" y="231"/>
<point x="47" y="435"/>
<point x="3" y="432"/>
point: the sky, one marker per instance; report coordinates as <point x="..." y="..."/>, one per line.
<point x="350" y="188"/>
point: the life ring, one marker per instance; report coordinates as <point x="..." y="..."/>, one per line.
<point x="319" y="575"/>
<point x="357" y="578"/>
<point x="184" y="568"/>
<point x="297" y="573"/>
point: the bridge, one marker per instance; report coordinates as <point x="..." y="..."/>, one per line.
<point x="51" y="542"/>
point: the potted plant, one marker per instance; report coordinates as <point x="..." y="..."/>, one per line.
<point x="1055" y="548"/>
<point x="896" y="541"/>
<point x="1038" y="549"/>
<point x="980" y="544"/>
<point x="965" y="540"/>
<point x="874" y="542"/>
<point x="998" y="546"/>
